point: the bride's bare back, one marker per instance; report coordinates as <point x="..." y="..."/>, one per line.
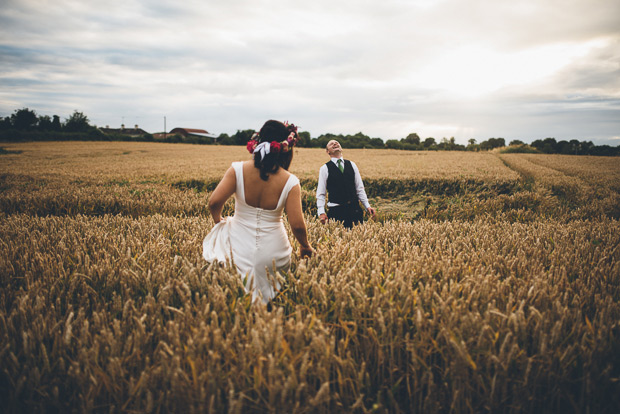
<point x="259" y="193"/>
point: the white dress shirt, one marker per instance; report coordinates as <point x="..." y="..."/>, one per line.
<point x="321" y="189"/>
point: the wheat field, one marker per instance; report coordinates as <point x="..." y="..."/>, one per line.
<point x="489" y="283"/>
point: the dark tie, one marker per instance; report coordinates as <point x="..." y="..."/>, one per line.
<point x="340" y="166"/>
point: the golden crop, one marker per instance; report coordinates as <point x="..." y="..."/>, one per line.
<point x="492" y="285"/>
<point x="170" y="162"/>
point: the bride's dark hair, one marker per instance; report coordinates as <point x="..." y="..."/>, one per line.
<point x="278" y="132"/>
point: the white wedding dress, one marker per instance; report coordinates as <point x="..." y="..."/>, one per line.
<point x="256" y="238"/>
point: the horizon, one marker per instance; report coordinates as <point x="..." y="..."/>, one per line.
<point x="439" y="68"/>
<point x="422" y="138"/>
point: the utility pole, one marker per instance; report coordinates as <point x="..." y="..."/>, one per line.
<point x="164" y="128"/>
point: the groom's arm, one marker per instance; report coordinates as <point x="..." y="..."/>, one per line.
<point x="359" y="187"/>
<point x="361" y="192"/>
<point x="321" y="190"/>
<point x="321" y="193"/>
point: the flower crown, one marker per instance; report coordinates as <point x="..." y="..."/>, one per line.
<point x="253" y="145"/>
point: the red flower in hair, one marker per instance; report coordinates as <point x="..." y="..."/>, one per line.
<point x="251" y="145"/>
<point x="275" y="146"/>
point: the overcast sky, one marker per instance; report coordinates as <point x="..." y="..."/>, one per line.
<point x="517" y="69"/>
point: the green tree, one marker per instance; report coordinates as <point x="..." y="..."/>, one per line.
<point x="77" y="122"/>
<point x="242" y="137"/>
<point x="304" y="139"/>
<point x="429" y="142"/>
<point x="224" y="139"/>
<point x="56" y="126"/>
<point x="550" y="146"/>
<point x="491" y="143"/>
<point x="472" y="145"/>
<point x="547" y="145"/>
<point x="587" y="147"/>
<point x="447" y="144"/>
<point x="24" y="119"/>
<point x="5" y="123"/>
<point x="45" y="123"/>
<point x="564" y="147"/>
<point x="377" y="143"/>
<point x="393" y="144"/>
<point x="412" y="138"/>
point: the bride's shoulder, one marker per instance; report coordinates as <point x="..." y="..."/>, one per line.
<point x="237" y="166"/>
<point x="286" y="174"/>
<point x="284" y="177"/>
<point x="292" y="178"/>
<point x="246" y="166"/>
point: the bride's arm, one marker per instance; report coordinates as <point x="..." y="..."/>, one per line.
<point x="296" y="220"/>
<point x="222" y="192"/>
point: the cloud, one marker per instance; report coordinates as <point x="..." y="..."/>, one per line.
<point x="525" y="69"/>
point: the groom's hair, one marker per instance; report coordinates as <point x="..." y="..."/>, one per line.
<point x="278" y="132"/>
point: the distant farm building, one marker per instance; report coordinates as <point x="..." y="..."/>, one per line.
<point x="132" y="132"/>
<point x="192" y="132"/>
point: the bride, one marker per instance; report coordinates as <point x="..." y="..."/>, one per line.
<point x="255" y="238"/>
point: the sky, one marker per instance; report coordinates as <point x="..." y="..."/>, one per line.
<point x="516" y="69"/>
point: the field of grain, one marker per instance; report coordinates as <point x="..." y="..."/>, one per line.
<point x="489" y="283"/>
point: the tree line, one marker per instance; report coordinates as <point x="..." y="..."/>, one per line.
<point x="25" y="125"/>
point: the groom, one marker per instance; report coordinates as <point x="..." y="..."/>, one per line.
<point x="341" y="179"/>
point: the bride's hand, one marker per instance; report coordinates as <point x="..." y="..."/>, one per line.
<point x="306" y="252"/>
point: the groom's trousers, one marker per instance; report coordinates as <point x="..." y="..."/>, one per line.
<point x="349" y="214"/>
